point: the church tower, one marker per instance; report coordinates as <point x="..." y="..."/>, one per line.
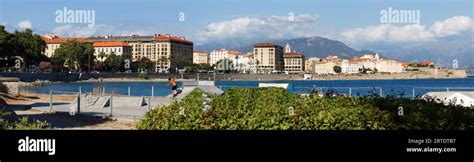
<point x="287" y="48"/>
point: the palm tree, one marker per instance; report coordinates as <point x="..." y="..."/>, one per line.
<point x="102" y="55"/>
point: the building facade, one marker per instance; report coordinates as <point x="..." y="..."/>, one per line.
<point x="324" y="68"/>
<point x="53" y="42"/>
<point x="118" y="48"/>
<point x="293" y="62"/>
<point x="221" y="54"/>
<point x="200" y="57"/>
<point x="350" y="67"/>
<point x="168" y="52"/>
<point x="268" y="57"/>
<point x="310" y="63"/>
<point x="389" y="66"/>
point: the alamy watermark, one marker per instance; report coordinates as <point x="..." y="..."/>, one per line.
<point x="68" y="16"/>
<point x="394" y="16"/>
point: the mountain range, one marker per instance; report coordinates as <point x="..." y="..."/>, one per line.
<point x="441" y="52"/>
<point x="309" y="46"/>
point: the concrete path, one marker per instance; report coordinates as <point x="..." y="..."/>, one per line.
<point x="123" y="107"/>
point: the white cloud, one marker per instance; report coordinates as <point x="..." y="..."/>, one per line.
<point x="452" y="26"/>
<point x="273" y="27"/>
<point x="69" y="30"/>
<point x="407" y="33"/>
<point x="76" y="31"/>
<point x="26" y="24"/>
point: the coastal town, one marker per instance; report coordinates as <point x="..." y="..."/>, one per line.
<point x="164" y="53"/>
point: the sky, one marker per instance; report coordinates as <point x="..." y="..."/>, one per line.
<point x="356" y="22"/>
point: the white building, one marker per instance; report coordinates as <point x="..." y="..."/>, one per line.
<point x="217" y="55"/>
<point x="389" y="66"/>
<point x="368" y="64"/>
<point x="371" y="57"/>
<point x="200" y="57"/>
<point x="324" y="68"/>
<point x="118" y="48"/>
<point x="244" y="62"/>
<point x="53" y="42"/>
<point x="350" y="66"/>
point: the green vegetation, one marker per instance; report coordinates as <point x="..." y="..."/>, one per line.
<point x="74" y="55"/>
<point x="277" y="109"/>
<point x="21" y="123"/>
<point x="143" y="65"/>
<point x="24" y="44"/>
<point x="337" y="69"/>
<point x="194" y="68"/>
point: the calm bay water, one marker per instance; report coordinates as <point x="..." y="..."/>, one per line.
<point x="355" y="87"/>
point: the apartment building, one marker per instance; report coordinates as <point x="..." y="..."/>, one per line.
<point x="268" y="57"/>
<point x="168" y="52"/>
<point x="310" y="63"/>
<point x="324" y="68"/>
<point x="53" y="42"/>
<point x="350" y="66"/>
<point x="200" y="57"/>
<point x="293" y="62"/>
<point x="389" y="66"/>
<point x="220" y="54"/>
<point x="118" y="48"/>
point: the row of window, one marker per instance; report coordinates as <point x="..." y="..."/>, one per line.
<point x="117" y="50"/>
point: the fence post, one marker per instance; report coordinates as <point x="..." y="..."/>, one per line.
<point x="350" y="91"/>
<point x="413" y="93"/>
<point x="103" y="90"/>
<point x="149" y="104"/>
<point x="80" y="90"/>
<point x="128" y="90"/>
<point x="50" y="101"/>
<point x="152" y="91"/>
<point x="111" y="107"/>
<point x="78" y="103"/>
<point x="447" y="89"/>
<point x="380" y="92"/>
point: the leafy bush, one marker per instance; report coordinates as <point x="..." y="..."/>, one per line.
<point x="277" y="109"/>
<point x="143" y="76"/>
<point x="21" y="123"/>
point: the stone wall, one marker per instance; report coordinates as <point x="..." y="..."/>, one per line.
<point x="66" y="77"/>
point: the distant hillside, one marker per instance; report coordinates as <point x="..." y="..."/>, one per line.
<point x="441" y="52"/>
<point x="310" y="46"/>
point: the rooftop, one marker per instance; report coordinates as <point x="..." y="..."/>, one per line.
<point x="199" y="51"/>
<point x="53" y="39"/>
<point x="110" y="44"/>
<point x="292" y="54"/>
<point x="266" y="44"/>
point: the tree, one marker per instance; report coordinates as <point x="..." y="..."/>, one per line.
<point x="194" y="68"/>
<point x="74" y="54"/>
<point x="114" y="63"/>
<point x="143" y="64"/>
<point x="101" y="56"/>
<point x="25" y="44"/>
<point x="5" y="42"/>
<point x="337" y="69"/>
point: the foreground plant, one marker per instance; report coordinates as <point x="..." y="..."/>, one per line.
<point x="277" y="109"/>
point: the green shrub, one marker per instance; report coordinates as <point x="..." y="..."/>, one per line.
<point x="143" y="76"/>
<point x="277" y="109"/>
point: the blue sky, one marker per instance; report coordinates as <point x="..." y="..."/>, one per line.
<point x="329" y="18"/>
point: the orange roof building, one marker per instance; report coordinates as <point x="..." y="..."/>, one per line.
<point x="53" y="42"/>
<point x="110" y="44"/>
